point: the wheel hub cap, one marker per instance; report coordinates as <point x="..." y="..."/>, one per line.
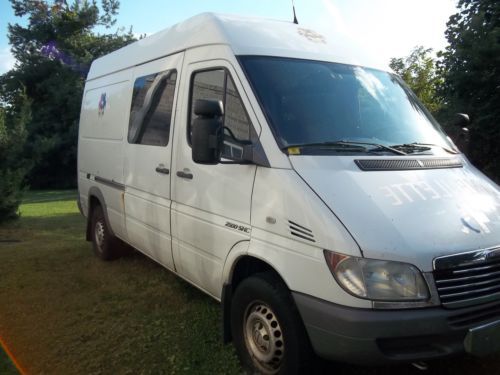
<point x="99" y="235"/>
<point x="264" y="338"/>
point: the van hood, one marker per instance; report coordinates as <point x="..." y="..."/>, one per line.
<point x="411" y="216"/>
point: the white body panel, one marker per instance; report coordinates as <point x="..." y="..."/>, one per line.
<point x="245" y="36"/>
<point x="101" y="141"/>
<point x="283" y="196"/>
<point x="408" y="216"/>
<point x="217" y="194"/>
<point x="147" y="196"/>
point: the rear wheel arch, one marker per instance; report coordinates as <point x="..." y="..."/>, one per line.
<point x="105" y="245"/>
<point x="96" y="198"/>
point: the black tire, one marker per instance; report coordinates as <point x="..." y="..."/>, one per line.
<point x="262" y="306"/>
<point x="105" y="245"/>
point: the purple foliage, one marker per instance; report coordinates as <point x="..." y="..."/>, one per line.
<point x="51" y="52"/>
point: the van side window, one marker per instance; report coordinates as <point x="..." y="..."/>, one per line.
<point x="151" y="109"/>
<point x="218" y="85"/>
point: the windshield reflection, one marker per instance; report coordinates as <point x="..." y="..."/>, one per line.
<point x="311" y="102"/>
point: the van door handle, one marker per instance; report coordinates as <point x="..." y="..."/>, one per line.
<point x="186" y="175"/>
<point x="163" y="170"/>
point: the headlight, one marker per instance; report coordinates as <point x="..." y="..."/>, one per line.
<point x="377" y="279"/>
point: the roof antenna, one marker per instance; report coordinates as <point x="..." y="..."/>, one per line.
<point x="294" y="15"/>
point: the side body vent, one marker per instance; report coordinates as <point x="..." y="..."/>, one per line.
<point x="407" y="164"/>
<point x="300" y="231"/>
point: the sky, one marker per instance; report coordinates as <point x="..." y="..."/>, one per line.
<point x="391" y="28"/>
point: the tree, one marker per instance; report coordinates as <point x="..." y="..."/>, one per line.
<point x="53" y="54"/>
<point x="12" y="166"/>
<point x="419" y="71"/>
<point x="471" y="67"/>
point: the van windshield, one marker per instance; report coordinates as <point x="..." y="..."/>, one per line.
<point x="314" y="103"/>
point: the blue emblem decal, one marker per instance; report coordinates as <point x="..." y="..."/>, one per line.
<point x="102" y="104"/>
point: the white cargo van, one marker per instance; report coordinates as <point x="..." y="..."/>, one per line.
<point x="305" y="187"/>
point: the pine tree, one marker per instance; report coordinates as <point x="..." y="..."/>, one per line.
<point x="54" y="52"/>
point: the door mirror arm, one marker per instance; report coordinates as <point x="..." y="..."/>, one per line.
<point x="233" y="137"/>
<point x="247" y="149"/>
<point x="252" y="154"/>
<point x="207" y="137"/>
<point x="247" y="155"/>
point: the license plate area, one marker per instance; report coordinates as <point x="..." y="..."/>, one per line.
<point x="483" y="340"/>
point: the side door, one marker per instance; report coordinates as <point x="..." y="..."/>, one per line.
<point x="211" y="203"/>
<point x="148" y="155"/>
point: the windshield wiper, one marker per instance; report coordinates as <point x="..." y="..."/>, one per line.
<point x="410" y="148"/>
<point x="349" y="146"/>
<point x="336" y="144"/>
<point x="420" y="147"/>
<point x="449" y="150"/>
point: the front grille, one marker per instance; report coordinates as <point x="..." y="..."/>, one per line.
<point x="468" y="279"/>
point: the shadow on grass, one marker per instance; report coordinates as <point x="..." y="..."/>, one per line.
<point x="449" y="366"/>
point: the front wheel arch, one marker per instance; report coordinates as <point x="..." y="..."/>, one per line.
<point x="244" y="267"/>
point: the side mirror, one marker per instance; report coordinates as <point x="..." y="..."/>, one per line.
<point x="462" y="120"/>
<point x="462" y="137"/>
<point x="207" y="135"/>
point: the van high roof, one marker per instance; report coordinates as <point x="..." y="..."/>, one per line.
<point x="244" y="35"/>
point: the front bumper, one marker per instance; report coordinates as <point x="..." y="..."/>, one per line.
<point x="373" y="337"/>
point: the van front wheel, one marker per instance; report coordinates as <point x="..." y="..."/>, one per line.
<point x="267" y="330"/>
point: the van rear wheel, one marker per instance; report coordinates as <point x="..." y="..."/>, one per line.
<point x="105" y="245"/>
<point x="268" y="333"/>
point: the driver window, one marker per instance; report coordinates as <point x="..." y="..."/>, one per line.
<point x="218" y="84"/>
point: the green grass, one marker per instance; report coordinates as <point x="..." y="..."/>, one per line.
<point x="63" y="311"/>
